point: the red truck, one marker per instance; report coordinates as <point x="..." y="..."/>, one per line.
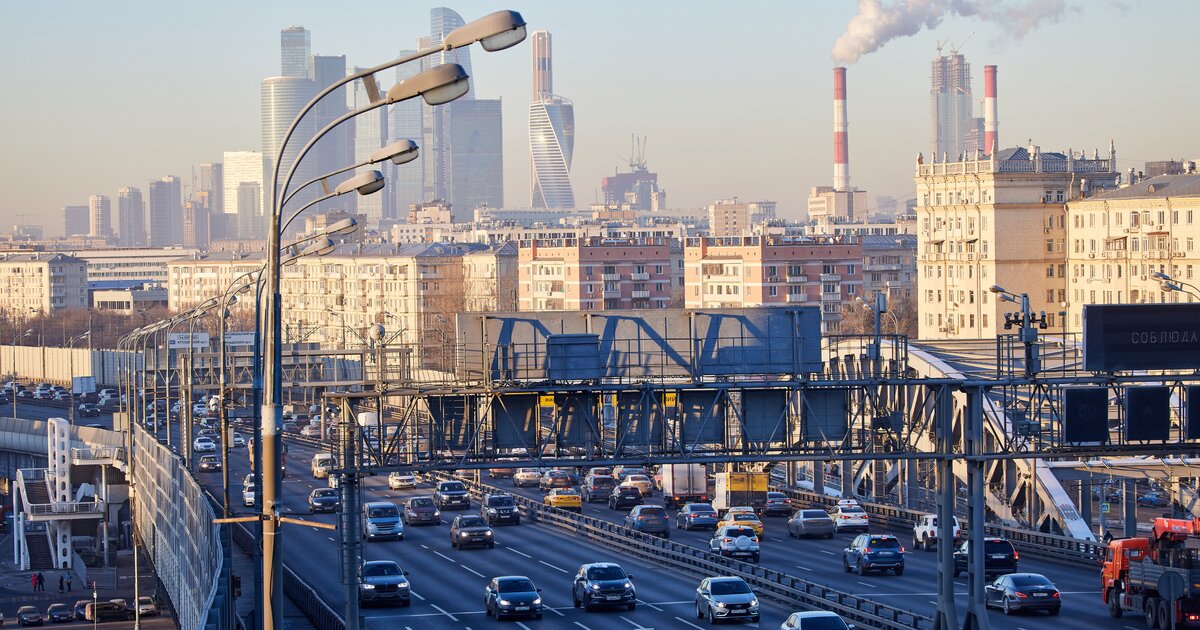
<point x="1133" y="569"/>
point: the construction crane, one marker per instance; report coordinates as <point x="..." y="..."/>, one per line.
<point x="637" y="153"/>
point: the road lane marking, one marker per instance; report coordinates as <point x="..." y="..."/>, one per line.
<point x="866" y="584"/>
<point x="521" y="553"/>
<point x="331" y="538"/>
<point x="644" y="603"/>
<point x="448" y="558"/>
<point x="803" y="568"/>
<point x="424" y="546"/>
<point x="414" y="594"/>
<point x="636" y="625"/>
<point x="826" y="551"/>
<point x="554" y="610"/>
<point x="471" y="570"/>
<point x="582" y="626"/>
<point x="682" y="620"/>
<point x="524" y="626"/>
<point x="443" y="611"/>
<point x="547" y="564"/>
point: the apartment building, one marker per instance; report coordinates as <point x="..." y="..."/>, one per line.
<point x="741" y="271"/>
<point x="41" y="282"/>
<point x="730" y="217"/>
<point x="590" y="274"/>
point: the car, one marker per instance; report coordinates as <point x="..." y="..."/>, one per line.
<point x="238" y="440"/>
<point x="324" y="500"/>
<point x="925" y="532"/>
<point x="725" y="598"/>
<point x="1022" y="591"/>
<point x="499" y="508"/>
<point x="564" y="499"/>
<point x="649" y="519"/>
<point x="24" y="393"/>
<point x="147" y="607"/>
<point x="398" y="479"/>
<point x="600" y="471"/>
<point x="29" y="616"/>
<point x="696" y="516"/>
<point x="60" y="613"/>
<point x="744" y="519"/>
<point x="603" y="584"/>
<point x="735" y="541"/>
<point x="209" y="463"/>
<point x="597" y="487"/>
<point x="850" y="516"/>
<point x="204" y="444"/>
<point x="624" y="498"/>
<point x="88" y="410"/>
<point x="501" y="473"/>
<point x="874" y="552"/>
<point x="290" y="427"/>
<point x="641" y="482"/>
<point x="311" y="431"/>
<point x="80" y="609"/>
<point x="383" y="581"/>
<point x="469" y="530"/>
<point x="422" y="511"/>
<point x="208" y="433"/>
<point x="526" y="477"/>
<point x="1000" y="557"/>
<point x="248" y="496"/>
<point x="621" y="472"/>
<point x="554" y="479"/>
<point x="512" y="596"/>
<point x="778" y="504"/>
<point x="452" y="494"/>
<point x="815" y="620"/>
<point x="1154" y="498"/>
<point x="381" y="519"/>
<point x="61" y="396"/>
<point x="810" y="523"/>
<point x="43" y="395"/>
<point x="107" y="611"/>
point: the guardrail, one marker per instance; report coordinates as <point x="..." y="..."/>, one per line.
<point x="320" y="614"/>
<point x="1050" y="546"/>
<point x="111" y="452"/>
<point x="768" y="583"/>
<point x="66" y="507"/>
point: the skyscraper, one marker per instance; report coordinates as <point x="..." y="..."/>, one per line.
<point x="252" y="224"/>
<point x="166" y="212"/>
<point x="209" y="179"/>
<point x="370" y="133"/>
<point x="477" y="158"/>
<point x="551" y="134"/>
<point x="195" y="224"/>
<point x="282" y="100"/>
<point x="404" y="123"/>
<point x="131" y="217"/>
<point x="437" y="149"/>
<point x="76" y="221"/>
<point x="295" y="53"/>
<point x="950" y="107"/>
<point x="242" y="167"/>
<point x="336" y="149"/>
<point x="99" y="216"/>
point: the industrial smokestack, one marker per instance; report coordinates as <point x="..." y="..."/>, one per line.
<point x="841" y="140"/>
<point x="991" y="139"/>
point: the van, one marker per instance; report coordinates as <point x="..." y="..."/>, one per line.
<point x="381" y="519"/>
<point x="322" y="463"/>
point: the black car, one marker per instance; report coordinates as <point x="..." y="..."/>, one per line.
<point x="210" y="463"/>
<point x="603" y="584"/>
<point x="999" y="557"/>
<point x="452" y="494"/>
<point x="89" y="410"/>
<point x="512" y="596"/>
<point x="597" y="488"/>
<point x="107" y="611"/>
<point x="59" y="613"/>
<point x="624" y="498"/>
<point x="778" y="504"/>
<point x="554" y="479"/>
<point x="324" y="500"/>
<point x="29" y="616"/>
<point x="469" y="530"/>
<point x="1023" y="591"/>
<point x="500" y="508"/>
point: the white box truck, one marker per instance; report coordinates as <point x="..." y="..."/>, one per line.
<point x="684" y="483"/>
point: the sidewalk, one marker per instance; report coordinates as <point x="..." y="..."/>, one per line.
<point x="247" y="605"/>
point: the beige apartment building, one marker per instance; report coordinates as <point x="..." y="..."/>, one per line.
<point x="996" y="220"/>
<point x="592" y="274"/>
<point x="41" y="282"/>
<point x="1118" y="239"/>
<point x="741" y="271"/>
<point x="730" y="217"/>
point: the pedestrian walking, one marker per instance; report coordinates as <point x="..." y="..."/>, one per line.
<point x="41" y="582"/>
<point x="33" y="581"/>
<point x="61" y="583"/>
<point x="68" y="582"/>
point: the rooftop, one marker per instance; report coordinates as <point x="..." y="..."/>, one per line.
<point x="1161" y="186"/>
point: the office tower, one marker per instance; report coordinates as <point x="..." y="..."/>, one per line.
<point x="243" y="167"/>
<point x="370" y="133"/>
<point x="195" y="224"/>
<point x="437" y="148"/>
<point x="210" y="179"/>
<point x="76" y="221"/>
<point x="131" y="217"/>
<point x="336" y="150"/>
<point x="166" y="212"/>
<point x="477" y="158"/>
<point x="99" y="216"/>
<point x="551" y="134"/>
<point x="252" y="224"/>
<point x="282" y="100"/>
<point x="295" y="53"/>
<point x="950" y="104"/>
<point x="404" y="123"/>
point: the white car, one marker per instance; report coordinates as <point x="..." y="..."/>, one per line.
<point x="239" y="439"/>
<point x="311" y="431"/>
<point x="146" y="607"/>
<point x="850" y="517"/>
<point x="641" y="482"/>
<point x="397" y="480"/>
<point x="815" y="620"/>
<point x="248" y="496"/>
<point x="527" y="477"/>
<point x="204" y="445"/>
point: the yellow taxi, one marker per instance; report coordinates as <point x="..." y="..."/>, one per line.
<point x="564" y="499"/>
<point x="744" y="519"/>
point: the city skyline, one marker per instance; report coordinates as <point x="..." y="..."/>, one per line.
<point x="661" y="88"/>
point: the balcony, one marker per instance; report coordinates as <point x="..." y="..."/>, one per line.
<point x="797" y="298"/>
<point x="640" y="295"/>
<point x="611" y="295"/>
<point x="610" y="277"/>
<point x="831" y="297"/>
<point x="638" y="277"/>
<point x="830" y="277"/>
<point x="797" y="279"/>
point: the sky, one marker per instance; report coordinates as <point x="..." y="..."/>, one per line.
<point x="733" y="98"/>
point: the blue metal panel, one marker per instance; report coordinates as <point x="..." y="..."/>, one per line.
<point x="1193" y="412"/>
<point x="765" y="415"/>
<point x="639" y="420"/>
<point x="702" y="417"/>
<point x="515" y="422"/>
<point x="760" y="341"/>
<point x="575" y="422"/>
<point x="1085" y="415"/>
<point x="825" y="414"/>
<point x="1148" y="413"/>
<point x="449" y="426"/>
<point x="573" y="357"/>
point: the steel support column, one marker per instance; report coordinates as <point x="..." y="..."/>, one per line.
<point x="1129" y="499"/>
<point x="1085" y="501"/>
<point x="973" y="444"/>
<point x="349" y="527"/>
<point x="946" y="617"/>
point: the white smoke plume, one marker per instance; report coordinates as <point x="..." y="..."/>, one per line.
<point x="877" y="23"/>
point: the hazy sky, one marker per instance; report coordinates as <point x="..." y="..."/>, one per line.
<point x="734" y="97"/>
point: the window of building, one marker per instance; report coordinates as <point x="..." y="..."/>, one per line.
<point x="773" y="290"/>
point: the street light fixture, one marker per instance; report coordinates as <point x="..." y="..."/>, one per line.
<point x="1169" y="284"/>
<point x="1027" y="322"/>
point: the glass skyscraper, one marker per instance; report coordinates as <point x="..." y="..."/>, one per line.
<point x="295" y="53"/>
<point x="282" y="100"/>
<point x="950" y="104"/>
<point x="551" y="134"/>
<point x="405" y="123"/>
<point x="131" y="217"/>
<point x="477" y="159"/>
<point x="166" y="212"/>
<point x="244" y="167"/>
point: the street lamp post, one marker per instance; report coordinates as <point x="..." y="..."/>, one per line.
<point x="71" y="370"/>
<point x="1028" y="324"/>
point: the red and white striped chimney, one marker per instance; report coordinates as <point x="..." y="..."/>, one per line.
<point x="991" y="139"/>
<point x="841" y="139"/>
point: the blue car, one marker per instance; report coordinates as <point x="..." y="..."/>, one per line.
<point x="1154" y="498"/>
<point x="874" y="552"/>
<point x="696" y="516"/>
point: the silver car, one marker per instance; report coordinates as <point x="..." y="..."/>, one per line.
<point x="811" y="523"/>
<point x="723" y="598"/>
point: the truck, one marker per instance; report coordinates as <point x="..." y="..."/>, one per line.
<point x="683" y="484"/>
<point x="1134" y="568"/>
<point x="739" y="488"/>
